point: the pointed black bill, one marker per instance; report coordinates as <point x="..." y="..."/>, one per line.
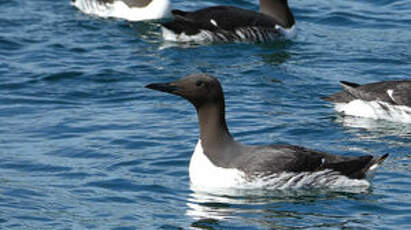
<point x="349" y="84"/>
<point x="163" y="87"/>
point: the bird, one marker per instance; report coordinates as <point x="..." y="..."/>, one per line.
<point x="219" y="161"/>
<point x="275" y="21"/>
<point x="131" y="10"/>
<point x="387" y="100"/>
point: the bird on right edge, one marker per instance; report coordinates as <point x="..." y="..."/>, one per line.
<point x="387" y="100"/>
<point x="219" y="161"/>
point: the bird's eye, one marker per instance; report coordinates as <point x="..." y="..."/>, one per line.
<point x="199" y="83"/>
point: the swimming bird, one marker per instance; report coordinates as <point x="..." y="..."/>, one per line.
<point x="219" y="161"/>
<point x="132" y="10"/>
<point x="231" y="24"/>
<point x="388" y="100"/>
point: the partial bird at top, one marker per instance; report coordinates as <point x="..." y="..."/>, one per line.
<point x="231" y="24"/>
<point x="131" y="10"/>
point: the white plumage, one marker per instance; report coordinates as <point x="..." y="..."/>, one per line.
<point x="118" y="9"/>
<point x="375" y="110"/>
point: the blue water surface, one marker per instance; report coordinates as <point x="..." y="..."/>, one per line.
<point x="83" y="145"/>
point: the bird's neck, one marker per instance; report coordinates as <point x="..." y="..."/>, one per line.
<point x="279" y="10"/>
<point x="214" y="132"/>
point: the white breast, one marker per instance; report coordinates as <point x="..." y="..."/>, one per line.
<point x="375" y="110"/>
<point x="155" y="10"/>
<point x="203" y="173"/>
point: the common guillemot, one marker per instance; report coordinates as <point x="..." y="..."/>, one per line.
<point x="226" y="23"/>
<point x="388" y="100"/>
<point x="219" y="161"/>
<point x="132" y="10"/>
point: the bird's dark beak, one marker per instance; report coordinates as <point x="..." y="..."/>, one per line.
<point x="163" y="87"/>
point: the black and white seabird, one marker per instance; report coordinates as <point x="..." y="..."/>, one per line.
<point x="132" y="10"/>
<point x="219" y="161"/>
<point x="227" y="24"/>
<point x="388" y="100"/>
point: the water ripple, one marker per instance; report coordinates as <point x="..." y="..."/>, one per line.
<point x="84" y="145"/>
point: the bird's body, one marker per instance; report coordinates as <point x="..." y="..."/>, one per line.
<point x="132" y="10"/>
<point x="231" y="24"/>
<point x="388" y="100"/>
<point x="264" y="175"/>
<point x="220" y="161"/>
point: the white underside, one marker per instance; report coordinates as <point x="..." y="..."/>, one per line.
<point x="205" y="175"/>
<point x="207" y="36"/>
<point x="375" y="110"/>
<point x="203" y="36"/>
<point x="155" y="10"/>
<point x="288" y="33"/>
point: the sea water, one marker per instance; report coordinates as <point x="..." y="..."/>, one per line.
<point x="83" y="145"/>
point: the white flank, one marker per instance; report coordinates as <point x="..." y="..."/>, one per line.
<point x="203" y="36"/>
<point x="320" y="179"/>
<point x="390" y="93"/>
<point x="118" y="9"/>
<point x="375" y="110"/>
<point x="205" y="175"/>
<point x="245" y="34"/>
<point x="287" y="33"/>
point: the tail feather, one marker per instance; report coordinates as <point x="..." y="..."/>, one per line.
<point x="355" y="90"/>
<point x="380" y="159"/>
<point x="345" y="96"/>
<point x="371" y="168"/>
<point x="349" y="84"/>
